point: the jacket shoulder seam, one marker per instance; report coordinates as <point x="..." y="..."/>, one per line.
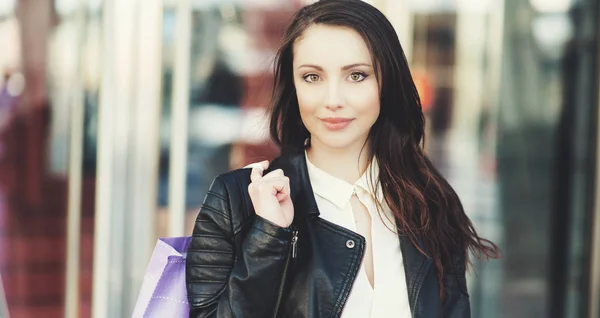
<point x="228" y="216"/>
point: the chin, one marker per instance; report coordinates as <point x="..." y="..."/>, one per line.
<point x="338" y="142"/>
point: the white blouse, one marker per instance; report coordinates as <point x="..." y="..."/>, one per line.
<point x="389" y="297"/>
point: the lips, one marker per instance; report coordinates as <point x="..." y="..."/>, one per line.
<point x="336" y="120"/>
<point x="336" y="123"/>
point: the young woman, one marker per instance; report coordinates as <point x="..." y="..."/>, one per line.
<point x="352" y="220"/>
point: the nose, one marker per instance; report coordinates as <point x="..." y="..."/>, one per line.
<point x="334" y="97"/>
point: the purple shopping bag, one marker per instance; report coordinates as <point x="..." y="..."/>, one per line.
<point x="163" y="292"/>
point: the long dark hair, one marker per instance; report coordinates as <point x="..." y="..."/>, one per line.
<point x="425" y="206"/>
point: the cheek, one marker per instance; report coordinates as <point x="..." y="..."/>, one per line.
<point x="307" y="107"/>
<point x="309" y="100"/>
<point x="366" y="101"/>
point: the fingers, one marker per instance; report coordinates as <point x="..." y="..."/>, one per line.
<point x="275" y="181"/>
<point x="270" y="193"/>
<point x="256" y="174"/>
<point x="281" y="196"/>
<point x="284" y="193"/>
<point x="272" y="185"/>
<point x="258" y="169"/>
<point x="280" y="184"/>
<point x="283" y="185"/>
<point x="264" y="164"/>
<point x="277" y="173"/>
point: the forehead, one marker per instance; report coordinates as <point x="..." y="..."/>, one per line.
<point x="331" y="46"/>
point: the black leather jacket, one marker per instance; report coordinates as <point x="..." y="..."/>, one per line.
<point x="241" y="265"/>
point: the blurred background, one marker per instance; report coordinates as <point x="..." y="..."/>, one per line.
<point x="116" y="115"/>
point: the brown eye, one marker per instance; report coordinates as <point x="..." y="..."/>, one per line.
<point x="357" y="77"/>
<point x="311" y="78"/>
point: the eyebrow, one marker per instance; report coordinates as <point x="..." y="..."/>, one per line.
<point x="344" y="68"/>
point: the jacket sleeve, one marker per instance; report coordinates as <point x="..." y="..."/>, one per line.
<point x="225" y="280"/>
<point x="456" y="303"/>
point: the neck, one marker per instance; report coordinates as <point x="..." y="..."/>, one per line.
<point x="347" y="164"/>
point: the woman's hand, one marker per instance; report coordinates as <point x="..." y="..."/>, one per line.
<point x="270" y="195"/>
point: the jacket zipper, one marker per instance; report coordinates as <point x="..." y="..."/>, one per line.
<point x="294" y="254"/>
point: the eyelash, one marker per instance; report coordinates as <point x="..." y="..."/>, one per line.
<point x="364" y="76"/>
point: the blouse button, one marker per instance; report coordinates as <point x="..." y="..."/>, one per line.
<point x="350" y="244"/>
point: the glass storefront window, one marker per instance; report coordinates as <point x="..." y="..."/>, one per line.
<point x="509" y="90"/>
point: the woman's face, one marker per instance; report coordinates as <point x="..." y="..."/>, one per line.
<point x="338" y="92"/>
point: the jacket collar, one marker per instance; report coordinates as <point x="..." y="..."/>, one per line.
<point x="294" y="165"/>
